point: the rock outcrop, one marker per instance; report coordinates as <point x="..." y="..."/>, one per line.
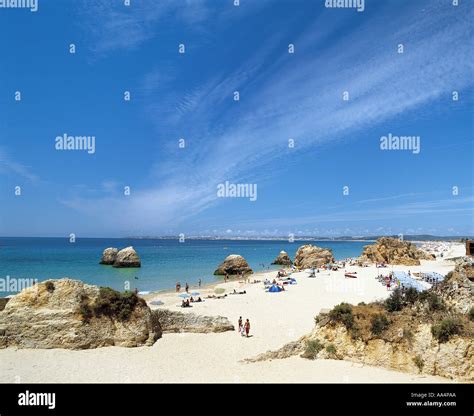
<point x="127" y="257"/>
<point x="309" y="256"/>
<point x="283" y="259"/>
<point x="233" y="265"/>
<point x="109" y="255"/>
<point x="172" y="321"/>
<point x="457" y="290"/>
<point x="69" y="314"/>
<point x="394" y="251"/>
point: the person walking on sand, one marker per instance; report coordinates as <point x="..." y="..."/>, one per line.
<point x="240" y="325"/>
<point x="187" y="287"/>
<point x="226" y="276"/>
<point x="178" y="286"/>
<point x="247" y="328"/>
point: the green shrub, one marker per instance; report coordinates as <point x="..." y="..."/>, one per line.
<point x="395" y="302"/>
<point x="379" y="323"/>
<point x="435" y="303"/>
<point x="471" y="314"/>
<point x="445" y="329"/>
<point x="50" y="287"/>
<point x="112" y="303"/>
<point x="411" y="295"/>
<point x="355" y="332"/>
<point x="419" y="362"/>
<point x="342" y="313"/>
<point x="331" y="350"/>
<point x="85" y="310"/>
<point x="313" y="347"/>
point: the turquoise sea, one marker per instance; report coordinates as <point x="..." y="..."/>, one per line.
<point x="163" y="261"/>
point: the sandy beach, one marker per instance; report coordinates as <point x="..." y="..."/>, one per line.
<point x="276" y="319"/>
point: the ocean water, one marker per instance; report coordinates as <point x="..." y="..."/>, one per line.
<point x="164" y="262"/>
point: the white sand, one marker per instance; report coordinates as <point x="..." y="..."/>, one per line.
<point x="276" y="318"/>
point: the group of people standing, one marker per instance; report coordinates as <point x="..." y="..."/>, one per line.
<point x="244" y="328"/>
<point x="186" y="287"/>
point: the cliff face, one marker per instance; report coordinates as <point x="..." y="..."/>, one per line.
<point x="417" y="352"/>
<point x="309" y="256"/>
<point x="393" y="251"/>
<point x="67" y="313"/>
<point x="457" y="290"/>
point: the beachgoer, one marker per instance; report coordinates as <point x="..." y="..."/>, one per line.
<point x="247" y="328"/>
<point x="240" y="324"/>
<point x="187" y="287"/>
<point x="199" y="283"/>
<point x="178" y="286"/>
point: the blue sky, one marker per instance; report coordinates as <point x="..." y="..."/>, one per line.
<point x="282" y="96"/>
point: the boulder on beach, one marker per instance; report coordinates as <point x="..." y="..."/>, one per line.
<point x="127" y="257"/>
<point x="109" y="255"/>
<point x="173" y="321"/>
<point x="232" y="265"/>
<point x="70" y="314"/>
<point x="309" y="256"/>
<point x="283" y="259"/>
<point x="393" y="251"/>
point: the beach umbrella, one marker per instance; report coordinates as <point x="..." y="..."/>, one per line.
<point x="274" y="289"/>
<point x="184" y="295"/>
<point x="195" y="294"/>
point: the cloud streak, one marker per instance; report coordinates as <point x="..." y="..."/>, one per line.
<point x="296" y="97"/>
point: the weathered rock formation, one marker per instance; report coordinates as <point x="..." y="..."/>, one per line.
<point x="109" y="255"/>
<point x="69" y="314"/>
<point x="127" y="257"/>
<point x="172" y="321"/>
<point x="309" y="256"/>
<point x="232" y="265"/>
<point x="283" y="258"/>
<point x="457" y="290"/>
<point x="394" y="251"/>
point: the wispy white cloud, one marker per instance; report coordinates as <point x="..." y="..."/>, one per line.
<point x="9" y="166"/>
<point x="298" y="97"/>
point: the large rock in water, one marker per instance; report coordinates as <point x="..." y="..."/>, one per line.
<point x="233" y="264"/>
<point x="69" y="314"/>
<point x="283" y="259"/>
<point x="393" y="251"/>
<point x="109" y="255"/>
<point x="127" y="257"/>
<point x="309" y="256"/>
<point x="172" y="321"/>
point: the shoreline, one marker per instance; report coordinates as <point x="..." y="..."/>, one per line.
<point x="276" y="320"/>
